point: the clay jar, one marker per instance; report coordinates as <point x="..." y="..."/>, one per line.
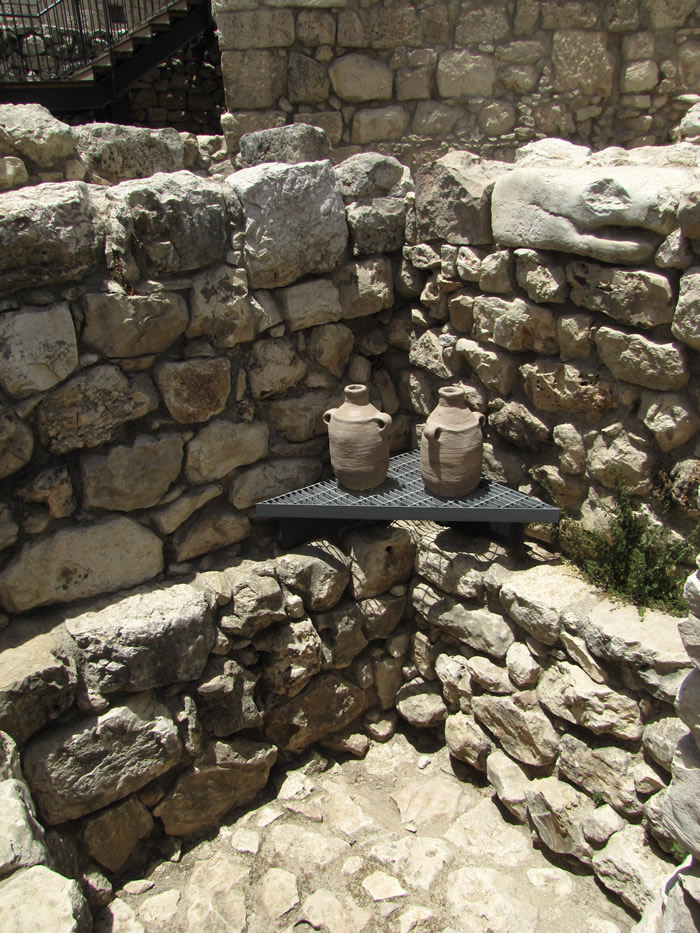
<point x="451" y="448"/>
<point x="359" y="440"/>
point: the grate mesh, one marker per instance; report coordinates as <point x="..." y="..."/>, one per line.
<point x="403" y="495"/>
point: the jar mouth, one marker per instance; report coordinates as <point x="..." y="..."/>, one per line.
<point x="356" y="391"/>
<point x="451" y="392"/>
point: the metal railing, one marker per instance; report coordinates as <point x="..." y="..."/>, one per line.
<point x="50" y="41"/>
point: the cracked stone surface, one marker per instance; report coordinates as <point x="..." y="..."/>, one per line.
<point x="400" y="841"/>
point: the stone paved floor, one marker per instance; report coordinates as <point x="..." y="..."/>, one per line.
<point x="395" y="842"/>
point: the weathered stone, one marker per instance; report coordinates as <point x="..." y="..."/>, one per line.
<point x="485" y="24"/>
<point x="520" y="725"/>
<point x="523" y="669"/>
<point x="582" y="62"/>
<point x="326" y="705"/>
<point x="515" y="325"/>
<point x="515" y="424"/>
<point x="48" y="235"/>
<point x="10" y="768"/>
<point x="452" y="672"/>
<point x="86" y="410"/>
<point x="307" y="83"/>
<point x="221" y="447"/>
<point x="16" y="442"/>
<point x="292" y="144"/>
<point x="215" y="526"/>
<point x="220" y="307"/>
<point x="225" y="697"/>
<point x="479" y="628"/>
<point x="458" y="566"/>
<point x="131" y="744"/>
<point x="379" y="559"/>
<point x="37" y="349"/>
<point x="150" y="639"/>
<point x="575" y="336"/>
<point x="364" y="287"/>
<point x="273" y="365"/>
<point x="628" y="867"/>
<point x="661" y="738"/>
<point x="295" y="221"/>
<point x="420" y="703"/>
<point x="685" y="319"/>
<point x="670" y="417"/>
<point x="75" y="563"/>
<point x="227" y="774"/>
<point x="371" y="175"/>
<point x="235" y="125"/>
<point x="419" y="860"/>
<point x="497" y="369"/>
<point x="453" y="198"/>
<point x="13" y="173"/>
<point x="542" y="278"/>
<point x="315" y="28"/>
<point x="271" y="478"/>
<point x="471" y="890"/>
<point x="310" y="303"/>
<point x="108" y="478"/>
<point x="251" y="29"/>
<point x="379" y="123"/>
<point x="121" y="325"/>
<point x="489" y="676"/>
<point x="22" y="840"/>
<point x="467" y="741"/>
<point x="318" y="572"/>
<point x="381" y="614"/>
<point x="634" y="297"/>
<point x="111" y="836"/>
<point x="330" y="346"/>
<point x="510" y="782"/>
<point x="617" y="456"/>
<point x="557" y="812"/>
<point x="599" y="824"/>
<point x="61" y="905"/>
<point x="357" y="78"/>
<point x="341" y="633"/>
<point x="464" y="74"/>
<point x="257" y="598"/>
<point x="608" y="771"/>
<point x="377" y="227"/>
<point x="194" y="390"/>
<point x="253" y="78"/>
<point x="553" y="386"/>
<point x="32" y="132"/>
<point x="688" y="702"/>
<point x="293" y="653"/>
<point x="117" y="153"/>
<point x="680" y="818"/>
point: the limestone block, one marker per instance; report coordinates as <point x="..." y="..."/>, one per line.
<point x="433" y="118"/>
<point x="464" y="74"/>
<point x="364" y="287"/>
<point x="226" y="775"/>
<point x="171" y="516"/>
<point x="215" y="526"/>
<point x="310" y="303"/>
<point x="86" y="410"/>
<point x="488" y="23"/>
<point x="688" y="702"/>
<point x="510" y="783"/>
<point x="489" y="676"/>
<point x="681" y="819"/>
<point x="618" y="455"/>
<point x="628" y="867"/>
<point x="257" y="598"/>
<point x="605" y="770"/>
<point x="580" y="210"/>
<point x="273" y="365"/>
<point x="515" y="424"/>
<point x="330" y="346"/>
<point x="523" y="670"/>
<point x="553" y="386"/>
<point x="61" y="905"/>
<point x="292" y="655"/>
<point x="299" y="419"/>
<point x="253" y="78"/>
<point x="121" y="325"/>
<point x="480" y="628"/>
<point x="108" y="478"/>
<point x="398" y="26"/>
<point x="516" y="324"/>
<point x="75" y="563"/>
<point x="37" y="349"/>
<point x="235" y="125"/>
<point x="568" y="692"/>
<point x="329" y="121"/>
<point x="357" y="78"/>
<point x="379" y="123"/>
<point x="388" y="678"/>
<point x="150" y="639"/>
<point x="634" y="297"/>
<point x="520" y="726"/>
<point x="427" y="353"/>
<point x="543" y="279"/>
<point x="575" y="336"/>
<point x="22" y="839"/>
<point x="308" y="81"/>
<point x="670" y="417"/>
<point x="582" y="62"/>
<point x="416" y="84"/>
<point x="111" y="836"/>
<point x="222" y="446"/>
<point x="48" y="235"/>
<point x="600" y="823"/>
<point x="194" y="390"/>
<point x="661" y="737"/>
<point x="271" y="478"/>
<point x="459" y="567"/>
<point x="380" y="558"/>
<point x="315" y="28"/>
<point x="675" y="252"/>
<point x="668" y="14"/>
<point x="226" y="698"/>
<point x="220" y="309"/>
<point x="255" y="29"/>
<point x="689" y="212"/>
<point x="685" y="325"/>
<point x="33" y="133"/>
<point x="497" y="118"/>
<point x="294" y="221"/>
<point x="467" y="741"/>
<point x="420" y="703"/>
<point x="318" y="572"/>
<point x="327" y="703"/>
<point x="497" y="369"/>
<point x="377" y="227"/>
<point x="13" y="173"/>
<point x="172" y="223"/>
<point x="341" y="630"/>
<point x="641" y="76"/>
<point x="453" y="198"/>
<point x="293" y="144"/>
<point x="557" y="811"/>
<point x="133" y="744"/>
<point x="118" y="153"/>
<point x="381" y="614"/>
<point x="10" y="768"/>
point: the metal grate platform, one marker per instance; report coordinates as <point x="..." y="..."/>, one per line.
<point x="403" y="495"/>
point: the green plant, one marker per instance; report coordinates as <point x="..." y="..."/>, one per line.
<point x="678" y="853"/>
<point x="597" y="798"/>
<point x="638" y="560"/>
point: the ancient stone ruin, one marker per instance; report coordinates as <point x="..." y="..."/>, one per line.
<point x="172" y="331"/>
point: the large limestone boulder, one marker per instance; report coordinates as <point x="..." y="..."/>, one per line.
<point x="628" y="867"/>
<point x="520" y="725"/>
<point x="89" y="763"/>
<point x="33" y="133"/>
<point x="227" y="774"/>
<point x="318" y="572"/>
<point x="379" y="558"/>
<point x="39" y="349"/>
<point x="617" y="214"/>
<point x="194" y="390"/>
<point x="356" y="78"/>
<point x="650" y="363"/>
<point x="510" y="782"/>
<point x="681" y="818"/>
<point x="553" y="386"/>
<point x="460" y="566"/>
<point x="272" y="478"/>
<point x="294" y="221"/>
<point x="215" y="526"/>
<point x="369" y="175"/>
<point x="222" y="446"/>
<point x="515" y="324"/>
<point x="75" y="563"/>
<point x="221" y="309"/>
<point x="22" y="838"/>
<point x="420" y="702"/>
<point x="310" y="303"/>
<point x="631" y="296"/>
<point x="341" y="631"/>
<point x="41" y="899"/>
<point x="297" y="142"/>
<point x="108" y="478"/>
<point x="123" y="326"/>
<point x="685" y="319"/>
<point x="467" y="741"/>
<point x="273" y="365"/>
<point x="364" y="287"/>
<point x="149" y="639"/>
<point x="557" y="811"/>
<point x="661" y="738"/>
<point x="48" y="234"/>
<point x="118" y="153"/>
<point x="256" y="598"/>
<point x="38" y="677"/>
<point x="112" y="835"/>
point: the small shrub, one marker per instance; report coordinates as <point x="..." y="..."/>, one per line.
<point x="678" y="853"/>
<point x="638" y="561"/>
<point x="598" y="798"/>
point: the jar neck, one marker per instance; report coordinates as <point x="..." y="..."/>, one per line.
<point x="357" y="394"/>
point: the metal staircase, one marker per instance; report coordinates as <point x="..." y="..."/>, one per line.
<point x="83" y="55"/>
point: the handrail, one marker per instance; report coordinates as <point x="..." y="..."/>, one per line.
<point x="65" y="36"/>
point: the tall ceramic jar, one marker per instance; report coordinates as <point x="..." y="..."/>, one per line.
<point x="451" y="448"/>
<point x="359" y="440"/>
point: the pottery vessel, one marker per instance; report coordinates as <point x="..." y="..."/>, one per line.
<point x="359" y="440"/>
<point x="451" y="449"/>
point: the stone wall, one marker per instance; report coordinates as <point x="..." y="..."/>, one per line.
<point x="414" y="80"/>
<point x="170" y="342"/>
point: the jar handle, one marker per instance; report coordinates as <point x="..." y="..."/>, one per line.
<point x="481" y="418"/>
<point x="383" y="421"/>
<point x="327" y="415"/>
<point x="432" y="432"/>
